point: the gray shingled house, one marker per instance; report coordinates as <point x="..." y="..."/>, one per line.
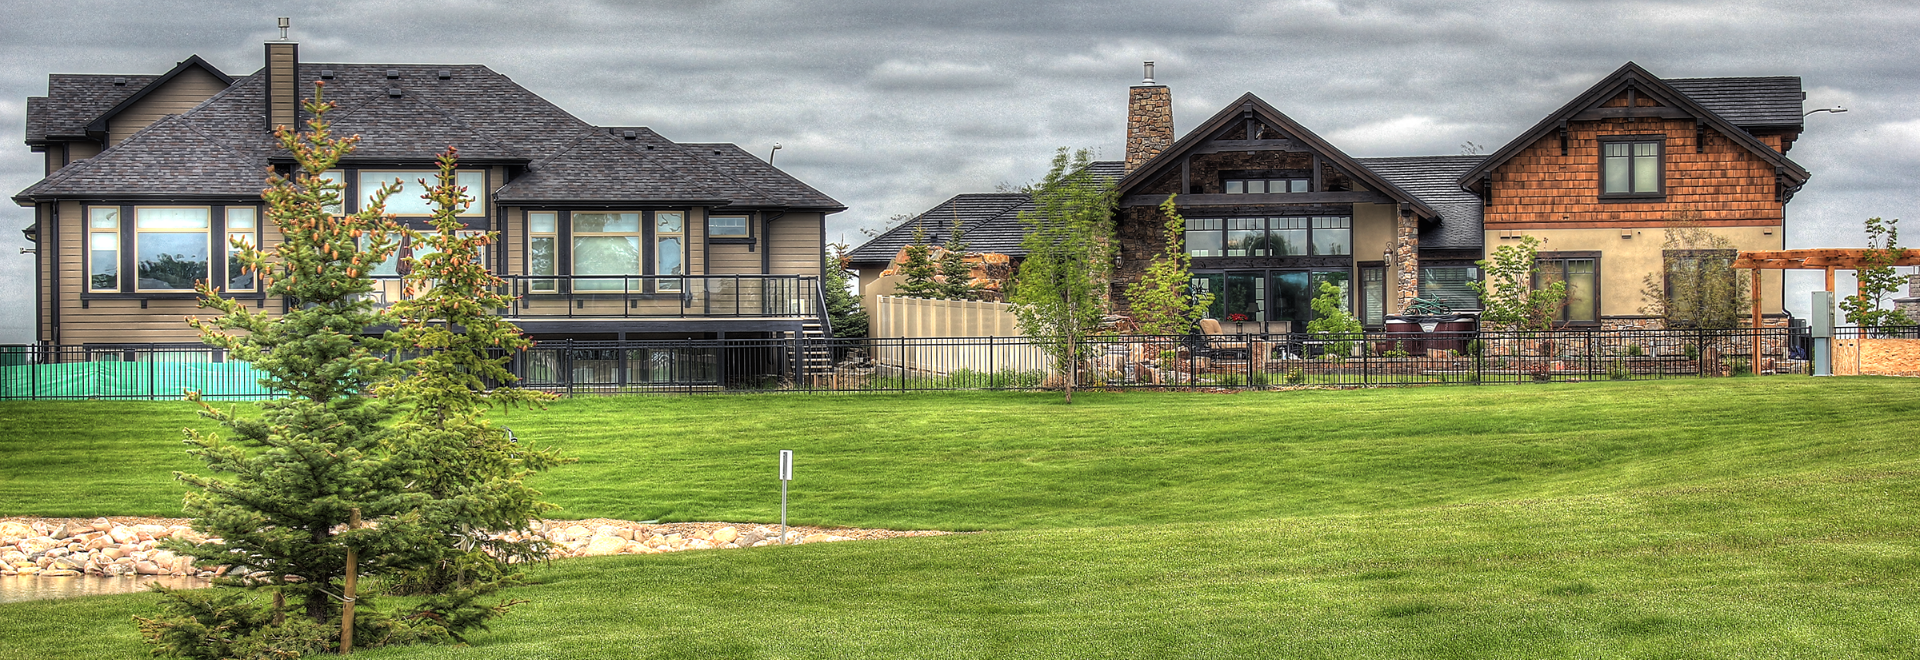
<point x="1273" y="210"/>
<point x="605" y="232"/>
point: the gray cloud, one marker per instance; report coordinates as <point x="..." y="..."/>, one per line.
<point x="891" y="107"/>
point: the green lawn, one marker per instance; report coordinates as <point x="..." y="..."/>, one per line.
<point x="1754" y="517"/>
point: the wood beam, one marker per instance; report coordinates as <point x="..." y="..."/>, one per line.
<point x="1184" y="201"/>
<point x="1222" y="146"/>
<point x="1616" y="113"/>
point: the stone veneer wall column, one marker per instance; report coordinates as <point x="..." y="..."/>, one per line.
<point x="1149" y="122"/>
<point x="1406" y="260"/>
<point x="1910" y="304"/>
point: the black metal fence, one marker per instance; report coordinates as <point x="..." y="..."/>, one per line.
<point x="1000" y="363"/>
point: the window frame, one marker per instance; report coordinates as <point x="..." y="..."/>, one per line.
<point x="1542" y="263"/>
<point x="1660" y="164"/>
<point x="1269" y="227"/>
<point x="119" y="247"/>
<point x="228" y="233"/>
<point x="206" y="234"/>
<point x="362" y="194"/>
<point x="1363" y="310"/>
<point x="640" y="234"/>
<point x="745" y="236"/>
<point x="531" y="235"/>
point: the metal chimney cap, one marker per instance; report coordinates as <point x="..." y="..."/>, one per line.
<point x="1149" y="78"/>
<point x="285" y="23"/>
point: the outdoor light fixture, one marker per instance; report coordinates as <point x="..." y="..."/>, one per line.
<point x="1835" y="110"/>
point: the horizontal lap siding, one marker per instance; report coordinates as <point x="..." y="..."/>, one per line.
<point x="1726" y="185"/>
<point x="732" y="259"/>
<point x="795" y="242"/>
<point x="178" y="96"/>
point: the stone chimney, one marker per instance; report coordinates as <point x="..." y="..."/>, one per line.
<point x="1910" y="305"/>
<point x="1149" y="120"/>
<point x="283" y="81"/>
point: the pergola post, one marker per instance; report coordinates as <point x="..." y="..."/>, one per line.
<point x="1754" y="366"/>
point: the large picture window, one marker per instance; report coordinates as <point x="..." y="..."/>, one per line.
<point x="409" y="200"/>
<point x="606" y="244"/>
<point x="1270" y="237"/>
<point x="1582" y="275"/>
<point x="1269" y="295"/>
<point x="1630" y="168"/>
<point x="170" y="247"/>
<point x="103" y="248"/>
<point x="1449" y="284"/>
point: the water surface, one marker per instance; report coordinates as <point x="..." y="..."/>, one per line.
<point x="16" y="588"/>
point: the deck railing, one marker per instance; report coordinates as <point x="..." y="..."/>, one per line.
<point x="797" y="363"/>
<point x="648" y="296"/>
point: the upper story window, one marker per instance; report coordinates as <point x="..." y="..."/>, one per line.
<point x="408" y="200"/>
<point x="727" y="226"/>
<point x="606" y="244"/>
<point x="1631" y="167"/>
<point x="1259" y="186"/>
<point x="103" y="248"/>
<point x="1270" y="237"/>
<point x="669" y="235"/>
<point x="171" y="247"/>
<point x="338" y="178"/>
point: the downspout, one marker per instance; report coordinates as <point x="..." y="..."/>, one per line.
<point x="53" y="279"/>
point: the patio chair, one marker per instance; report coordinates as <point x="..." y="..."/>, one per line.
<point x="1216" y="347"/>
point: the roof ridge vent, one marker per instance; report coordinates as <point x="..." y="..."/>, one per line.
<point x="631" y="135"/>
<point x="394" y="92"/>
<point x="393" y="74"/>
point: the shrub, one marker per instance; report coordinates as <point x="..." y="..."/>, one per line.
<point x="1296" y="376"/>
<point x="1617" y="370"/>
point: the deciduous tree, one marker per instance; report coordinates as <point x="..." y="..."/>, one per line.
<point x="1059" y="295"/>
<point x="1162" y="302"/>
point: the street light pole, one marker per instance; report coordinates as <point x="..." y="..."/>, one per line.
<point x="1835" y="110"/>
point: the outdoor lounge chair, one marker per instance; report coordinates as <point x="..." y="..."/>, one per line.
<point x="1216" y="347"/>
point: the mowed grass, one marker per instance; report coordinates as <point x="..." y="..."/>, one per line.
<point x="1024" y="461"/>
<point x="1754" y="517"/>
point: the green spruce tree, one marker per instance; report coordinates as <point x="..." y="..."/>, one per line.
<point x="918" y="269"/>
<point x="471" y="472"/>
<point x="843" y="307"/>
<point x="1162" y="301"/>
<point x="298" y="471"/>
<point x="956" y="275"/>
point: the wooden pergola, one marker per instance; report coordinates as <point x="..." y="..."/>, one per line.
<point x="1827" y="259"/>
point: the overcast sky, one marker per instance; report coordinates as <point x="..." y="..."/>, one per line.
<point x="891" y="106"/>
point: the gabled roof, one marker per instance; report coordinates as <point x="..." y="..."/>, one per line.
<point x="75" y="100"/>
<point x="1431" y="178"/>
<point x="1632" y="75"/>
<point x="99" y="124"/>
<point x="170" y="158"/>
<point x="989" y="222"/>
<point x="1248" y="102"/>
<point x="221" y="147"/>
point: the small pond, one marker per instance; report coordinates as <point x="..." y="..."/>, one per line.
<point x="16" y="588"/>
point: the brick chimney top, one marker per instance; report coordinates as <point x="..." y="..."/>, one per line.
<point x="1149" y="120"/>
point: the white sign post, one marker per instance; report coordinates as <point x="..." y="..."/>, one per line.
<point x="786" y="475"/>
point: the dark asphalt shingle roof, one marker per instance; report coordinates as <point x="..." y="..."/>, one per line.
<point x="221" y="147"/>
<point x="600" y="167"/>
<point x="1747" y="102"/>
<point x="75" y="100"/>
<point x="1435" y="180"/>
<point x="989" y="222"/>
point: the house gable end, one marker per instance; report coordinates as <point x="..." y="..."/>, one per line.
<point x="104" y="124"/>
<point x="1653" y="99"/>
<point x="1277" y="142"/>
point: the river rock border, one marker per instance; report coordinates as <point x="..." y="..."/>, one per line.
<point x="126" y="546"/>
